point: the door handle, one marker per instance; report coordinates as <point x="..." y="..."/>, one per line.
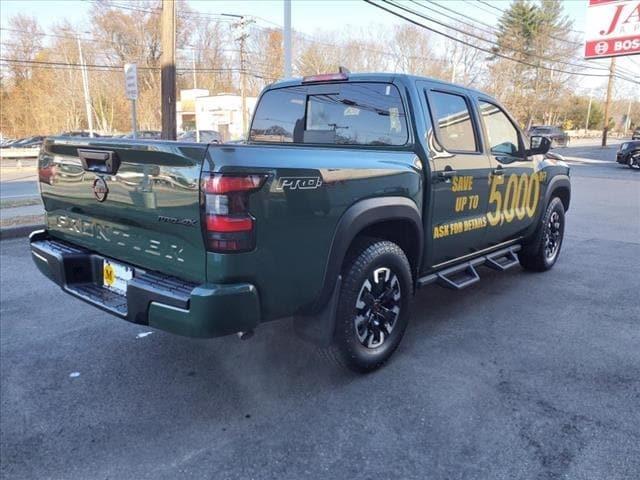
<point x="498" y="170"/>
<point x="447" y="173"/>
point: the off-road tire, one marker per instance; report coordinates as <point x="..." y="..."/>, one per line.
<point x="367" y="258"/>
<point x="535" y="253"/>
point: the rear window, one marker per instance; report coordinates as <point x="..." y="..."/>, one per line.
<point x="279" y="117"/>
<point x="353" y="114"/>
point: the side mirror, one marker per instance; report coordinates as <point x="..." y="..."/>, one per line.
<point x="539" y="145"/>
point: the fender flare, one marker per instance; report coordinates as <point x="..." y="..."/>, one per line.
<point x="558" y="181"/>
<point x="317" y="323"/>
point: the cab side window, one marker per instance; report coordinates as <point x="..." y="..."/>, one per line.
<point x="451" y="115"/>
<point x="503" y="138"/>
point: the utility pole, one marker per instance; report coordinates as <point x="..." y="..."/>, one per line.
<point x="586" y="124"/>
<point x="243" y="70"/>
<point x="85" y="88"/>
<point x="193" y="63"/>
<point x="287" y="38"/>
<point x="607" y="103"/>
<point x="168" y="69"/>
<point x="195" y="85"/>
<point x="627" y="122"/>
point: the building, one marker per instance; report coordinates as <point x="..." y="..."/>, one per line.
<point x="186" y="108"/>
<point x="221" y="113"/>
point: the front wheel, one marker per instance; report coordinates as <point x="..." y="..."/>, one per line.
<point x="373" y="309"/>
<point x="542" y="251"/>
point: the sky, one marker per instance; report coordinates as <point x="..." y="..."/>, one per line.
<point x="309" y="17"/>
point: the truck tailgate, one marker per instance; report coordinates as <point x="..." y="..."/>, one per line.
<point x="134" y="201"/>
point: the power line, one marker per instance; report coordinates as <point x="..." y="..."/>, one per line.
<point x="490" y="5"/>
<point x="68" y="65"/>
<point x="74" y="38"/>
<point x="495" y="30"/>
<point x="491" y="42"/>
<point x="497" y="54"/>
<point x="306" y="37"/>
<point x="515" y="50"/>
<point x="501" y="11"/>
<point x="490" y="31"/>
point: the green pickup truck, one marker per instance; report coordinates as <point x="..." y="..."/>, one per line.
<point x="351" y="192"/>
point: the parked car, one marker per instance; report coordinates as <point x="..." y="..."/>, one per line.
<point x="558" y="137"/>
<point x="636" y="134"/>
<point x="205" y="136"/>
<point x="351" y="192"/>
<point x="35" y="142"/>
<point x="7" y="143"/>
<point x="30" y="142"/>
<point x="629" y="154"/>
<point x="146" y="135"/>
<point x="79" y="133"/>
<point x="12" y="143"/>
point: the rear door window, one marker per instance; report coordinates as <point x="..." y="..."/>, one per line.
<point x="350" y="114"/>
<point x="453" y="119"/>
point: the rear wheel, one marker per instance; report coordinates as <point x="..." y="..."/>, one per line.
<point x="634" y="160"/>
<point x="372" y="312"/>
<point x="542" y="252"/>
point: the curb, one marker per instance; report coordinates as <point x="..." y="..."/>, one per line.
<point x="17" y="232"/>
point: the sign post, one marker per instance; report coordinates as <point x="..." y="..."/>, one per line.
<point x="131" y="87"/>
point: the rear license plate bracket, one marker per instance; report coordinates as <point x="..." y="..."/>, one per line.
<point x="115" y="276"/>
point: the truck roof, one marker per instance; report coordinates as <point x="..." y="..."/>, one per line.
<point x="379" y="77"/>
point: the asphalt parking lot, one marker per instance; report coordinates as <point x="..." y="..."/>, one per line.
<point x="523" y="375"/>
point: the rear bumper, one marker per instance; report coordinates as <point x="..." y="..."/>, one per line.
<point x="160" y="301"/>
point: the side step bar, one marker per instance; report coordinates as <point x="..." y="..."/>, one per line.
<point x="462" y="275"/>
<point x="502" y="261"/>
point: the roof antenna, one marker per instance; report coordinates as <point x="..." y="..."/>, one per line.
<point x="344" y="70"/>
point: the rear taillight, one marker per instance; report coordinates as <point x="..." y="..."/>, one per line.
<point x="228" y="225"/>
<point x="46" y="173"/>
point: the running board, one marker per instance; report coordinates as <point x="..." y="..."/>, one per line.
<point x="464" y="274"/>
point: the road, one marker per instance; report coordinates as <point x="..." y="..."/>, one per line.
<point x="19" y="189"/>
<point x="529" y="376"/>
<point x="18" y="182"/>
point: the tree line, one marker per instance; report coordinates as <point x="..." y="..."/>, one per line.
<point x="530" y="65"/>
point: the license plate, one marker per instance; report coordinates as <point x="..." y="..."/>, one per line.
<point x="115" y="276"/>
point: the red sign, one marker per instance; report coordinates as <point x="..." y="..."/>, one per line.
<point x="612" y="29"/>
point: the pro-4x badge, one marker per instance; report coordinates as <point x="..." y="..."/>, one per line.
<point x="100" y="189"/>
<point x="298" y="183"/>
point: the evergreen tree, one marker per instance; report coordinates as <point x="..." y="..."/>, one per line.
<point x="536" y="34"/>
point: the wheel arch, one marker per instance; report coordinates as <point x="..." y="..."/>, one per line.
<point x="372" y="216"/>
<point x="560" y="187"/>
<point x="396" y="219"/>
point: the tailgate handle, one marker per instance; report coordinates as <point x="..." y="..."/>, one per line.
<point x="99" y="161"/>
